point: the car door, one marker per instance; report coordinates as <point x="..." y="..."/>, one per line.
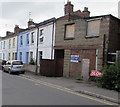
<point x="8" y="64"/>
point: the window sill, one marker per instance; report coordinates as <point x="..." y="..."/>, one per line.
<point x="69" y="38"/>
<point x="40" y="42"/>
<point x="91" y="36"/>
<point x="32" y="44"/>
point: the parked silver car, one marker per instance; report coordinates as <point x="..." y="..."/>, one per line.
<point x="14" y="66"/>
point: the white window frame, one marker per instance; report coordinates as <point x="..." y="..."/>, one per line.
<point x="41" y="36"/>
<point x="4" y="45"/>
<point x="9" y="56"/>
<point x="31" y="55"/>
<point x="13" y="42"/>
<point x="21" y="56"/>
<point x="21" y="40"/>
<point x="32" y="37"/>
<point x="27" y="39"/>
<point x="9" y="43"/>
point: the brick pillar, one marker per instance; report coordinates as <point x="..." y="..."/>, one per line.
<point x="66" y="70"/>
<point x="118" y="57"/>
<point x="100" y="58"/>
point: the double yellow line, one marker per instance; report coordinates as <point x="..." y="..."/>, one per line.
<point x="66" y="90"/>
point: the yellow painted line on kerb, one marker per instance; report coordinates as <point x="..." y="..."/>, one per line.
<point x="66" y="90"/>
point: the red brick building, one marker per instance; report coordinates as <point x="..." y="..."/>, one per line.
<point x="83" y="41"/>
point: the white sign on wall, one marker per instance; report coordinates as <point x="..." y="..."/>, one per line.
<point x="85" y="68"/>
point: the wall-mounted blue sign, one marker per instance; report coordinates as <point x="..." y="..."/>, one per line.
<point x="75" y="58"/>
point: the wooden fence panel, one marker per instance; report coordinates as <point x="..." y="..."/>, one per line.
<point x="47" y="68"/>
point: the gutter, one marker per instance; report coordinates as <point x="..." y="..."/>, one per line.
<point x="53" y="39"/>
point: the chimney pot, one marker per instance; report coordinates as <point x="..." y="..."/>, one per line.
<point x="8" y="33"/>
<point x="86" y="12"/>
<point x="68" y="8"/>
<point x="16" y="29"/>
<point x="85" y="8"/>
<point x="30" y="22"/>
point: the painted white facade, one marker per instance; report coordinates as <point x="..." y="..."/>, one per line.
<point x="28" y="51"/>
<point x="48" y="41"/>
<point x="8" y="48"/>
<point x="3" y="49"/>
<point x="12" y="49"/>
<point x="23" y="46"/>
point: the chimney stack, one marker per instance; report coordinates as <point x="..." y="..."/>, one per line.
<point x="8" y="33"/>
<point x="68" y="8"/>
<point x="86" y="12"/>
<point x="30" y="23"/>
<point x="16" y="29"/>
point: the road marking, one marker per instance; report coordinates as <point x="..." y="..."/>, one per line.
<point x="66" y="90"/>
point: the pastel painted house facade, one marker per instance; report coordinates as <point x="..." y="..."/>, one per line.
<point x="8" y="47"/>
<point x="3" y="48"/>
<point x="37" y="41"/>
<point x="23" y="46"/>
<point x="9" y="44"/>
<point x="0" y="47"/>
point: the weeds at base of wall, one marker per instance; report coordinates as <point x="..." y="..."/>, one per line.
<point x="32" y="62"/>
<point x="110" y="78"/>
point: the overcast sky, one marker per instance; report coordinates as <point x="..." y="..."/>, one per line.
<point x="16" y="12"/>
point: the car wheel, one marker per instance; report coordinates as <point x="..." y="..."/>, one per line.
<point x="9" y="71"/>
<point x="23" y="72"/>
<point x="3" y="69"/>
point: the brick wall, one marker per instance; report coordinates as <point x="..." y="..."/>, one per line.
<point x="80" y="33"/>
<point x="114" y="38"/>
<point x="66" y="69"/>
<point x="80" y="40"/>
<point x="30" y="68"/>
<point x="107" y="40"/>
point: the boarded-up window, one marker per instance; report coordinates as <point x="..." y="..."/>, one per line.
<point x="93" y="28"/>
<point x="69" y="31"/>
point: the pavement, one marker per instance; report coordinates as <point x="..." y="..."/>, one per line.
<point x="84" y="87"/>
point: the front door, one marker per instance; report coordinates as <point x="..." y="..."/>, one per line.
<point x="85" y="69"/>
<point x="59" y="58"/>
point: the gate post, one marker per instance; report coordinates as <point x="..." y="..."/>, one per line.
<point x="66" y="71"/>
<point x="118" y="58"/>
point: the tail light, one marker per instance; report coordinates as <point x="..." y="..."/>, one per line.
<point x="12" y="64"/>
<point x="2" y="62"/>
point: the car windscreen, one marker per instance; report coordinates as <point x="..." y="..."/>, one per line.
<point x="17" y="63"/>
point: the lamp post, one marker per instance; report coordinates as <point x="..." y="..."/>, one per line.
<point x="36" y="68"/>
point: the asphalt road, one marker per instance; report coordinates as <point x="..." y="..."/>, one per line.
<point x="17" y="90"/>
